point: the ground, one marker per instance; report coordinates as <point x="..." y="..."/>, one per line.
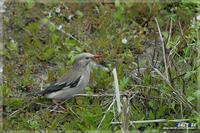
<point x="153" y="46"/>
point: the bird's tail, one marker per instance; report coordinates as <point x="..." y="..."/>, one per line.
<point x="35" y="94"/>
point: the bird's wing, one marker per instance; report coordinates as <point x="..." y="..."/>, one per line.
<point x="70" y="80"/>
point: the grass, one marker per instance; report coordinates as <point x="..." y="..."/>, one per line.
<point x="157" y="69"/>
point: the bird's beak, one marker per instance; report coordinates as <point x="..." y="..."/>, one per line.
<point x="97" y="57"/>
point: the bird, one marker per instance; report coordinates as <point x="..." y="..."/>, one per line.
<point x="74" y="81"/>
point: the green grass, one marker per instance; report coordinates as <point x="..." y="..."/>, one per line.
<point x="36" y="54"/>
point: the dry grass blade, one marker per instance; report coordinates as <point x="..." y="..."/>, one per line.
<point x="163" y="48"/>
<point x="154" y="121"/>
<point x="117" y="94"/>
<point x="105" y="114"/>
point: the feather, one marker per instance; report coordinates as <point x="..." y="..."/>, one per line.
<point x="56" y="87"/>
<point x="75" y="83"/>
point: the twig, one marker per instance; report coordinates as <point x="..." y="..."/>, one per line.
<point x="66" y="33"/>
<point x="94" y="95"/>
<point x="117" y="94"/>
<point x="153" y="121"/>
<point x="104" y="95"/>
<point x="125" y="114"/>
<point x="15" y="112"/>
<point x="163" y="48"/>
<point x="57" y="111"/>
<point x="158" y="72"/>
<point x="69" y="35"/>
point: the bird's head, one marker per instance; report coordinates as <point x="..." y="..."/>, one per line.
<point x="85" y="58"/>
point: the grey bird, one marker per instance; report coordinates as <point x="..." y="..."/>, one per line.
<point x="74" y="81"/>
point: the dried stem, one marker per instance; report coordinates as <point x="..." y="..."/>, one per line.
<point x="153" y="121"/>
<point x="117" y="94"/>
<point x="125" y="114"/>
<point x="105" y="94"/>
<point x="163" y="49"/>
<point x="66" y="33"/>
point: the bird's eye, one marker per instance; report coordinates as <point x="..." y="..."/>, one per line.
<point x="87" y="58"/>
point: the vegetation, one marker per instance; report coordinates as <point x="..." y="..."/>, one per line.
<point x="157" y="78"/>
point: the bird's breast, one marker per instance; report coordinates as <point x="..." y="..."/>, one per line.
<point x="85" y="78"/>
